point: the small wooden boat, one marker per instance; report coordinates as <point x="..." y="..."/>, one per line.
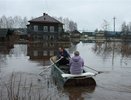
<point x="61" y="75"/>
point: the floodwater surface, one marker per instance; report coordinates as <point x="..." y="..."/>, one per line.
<point x="20" y="68"/>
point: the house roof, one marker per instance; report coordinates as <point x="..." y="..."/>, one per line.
<point x="45" y="19"/>
<point x="88" y="33"/>
<point x="75" y="31"/>
<point x="3" y="32"/>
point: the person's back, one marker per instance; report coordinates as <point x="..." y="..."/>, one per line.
<point x="76" y="64"/>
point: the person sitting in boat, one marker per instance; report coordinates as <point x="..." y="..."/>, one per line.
<point x="76" y="64"/>
<point x="64" y="55"/>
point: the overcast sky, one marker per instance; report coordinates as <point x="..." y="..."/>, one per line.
<point x="89" y="14"/>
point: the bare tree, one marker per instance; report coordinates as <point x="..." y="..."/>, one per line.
<point x="72" y="26"/>
<point x="24" y="22"/>
<point x="129" y="25"/>
<point x="105" y="25"/>
<point x="69" y="25"/>
<point x="10" y="22"/>
<point x="124" y="28"/>
<point x="3" y="22"/>
<point x="19" y="22"/>
<point x="13" y="22"/>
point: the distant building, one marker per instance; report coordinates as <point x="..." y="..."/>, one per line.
<point x="108" y="35"/>
<point x="100" y="36"/>
<point x="88" y="33"/>
<point x="87" y="36"/>
<point x="3" y="34"/>
<point x="21" y="32"/>
<point x="126" y="36"/>
<point x="75" y="34"/>
<point x="44" y="28"/>
<point x="7" y="35"/>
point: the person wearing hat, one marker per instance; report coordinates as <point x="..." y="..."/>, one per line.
<point x="76" y="63"/>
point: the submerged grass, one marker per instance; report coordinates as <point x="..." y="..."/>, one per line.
<point x="21" y="86"/>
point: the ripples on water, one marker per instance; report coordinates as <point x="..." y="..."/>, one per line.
<point x="18" y="72"/>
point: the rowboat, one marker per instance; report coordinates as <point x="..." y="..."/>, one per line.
<point x="62" y="76"/>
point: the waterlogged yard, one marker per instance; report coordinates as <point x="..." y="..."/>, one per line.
<point x="20" y="79"/>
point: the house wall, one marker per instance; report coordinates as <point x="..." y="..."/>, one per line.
<point x="40" y="26"/>
<point x="41" y="35"/>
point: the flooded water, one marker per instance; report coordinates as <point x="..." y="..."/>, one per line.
<point x="20" y="67"/>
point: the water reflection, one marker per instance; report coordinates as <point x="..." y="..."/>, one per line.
<point x="5" y="49"/>
<point x="109" y="48"/>
<point x="72" y="48"/>
<point x="43" y="51"/>
<point x="112" y="49"/>
<point x="76" y="93"/>
<point x="109" y="85"/>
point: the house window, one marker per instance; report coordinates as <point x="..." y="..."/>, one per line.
<point x="51" y="53"/>
<point x="35" y="53"/>
<point x="59" y="29"/>
<point x="51" y="28"/>
<point x="45" y="28"/>
<point x="45" y="53"/>
<point x="35" y="28"/>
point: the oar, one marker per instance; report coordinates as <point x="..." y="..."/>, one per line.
<point x="51" y="65"/>
<point x="99" y="72"/>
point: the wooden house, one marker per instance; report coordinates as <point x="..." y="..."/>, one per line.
<point x="46" y="35"/>
<point x="44" y="28"/>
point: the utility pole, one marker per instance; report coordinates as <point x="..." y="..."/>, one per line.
<point x="114" y="18"/>
<point x="113" y="53"/>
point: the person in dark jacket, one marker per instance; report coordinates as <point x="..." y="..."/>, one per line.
<point x="64" y="55"/>
<point x="76" y="64"/>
